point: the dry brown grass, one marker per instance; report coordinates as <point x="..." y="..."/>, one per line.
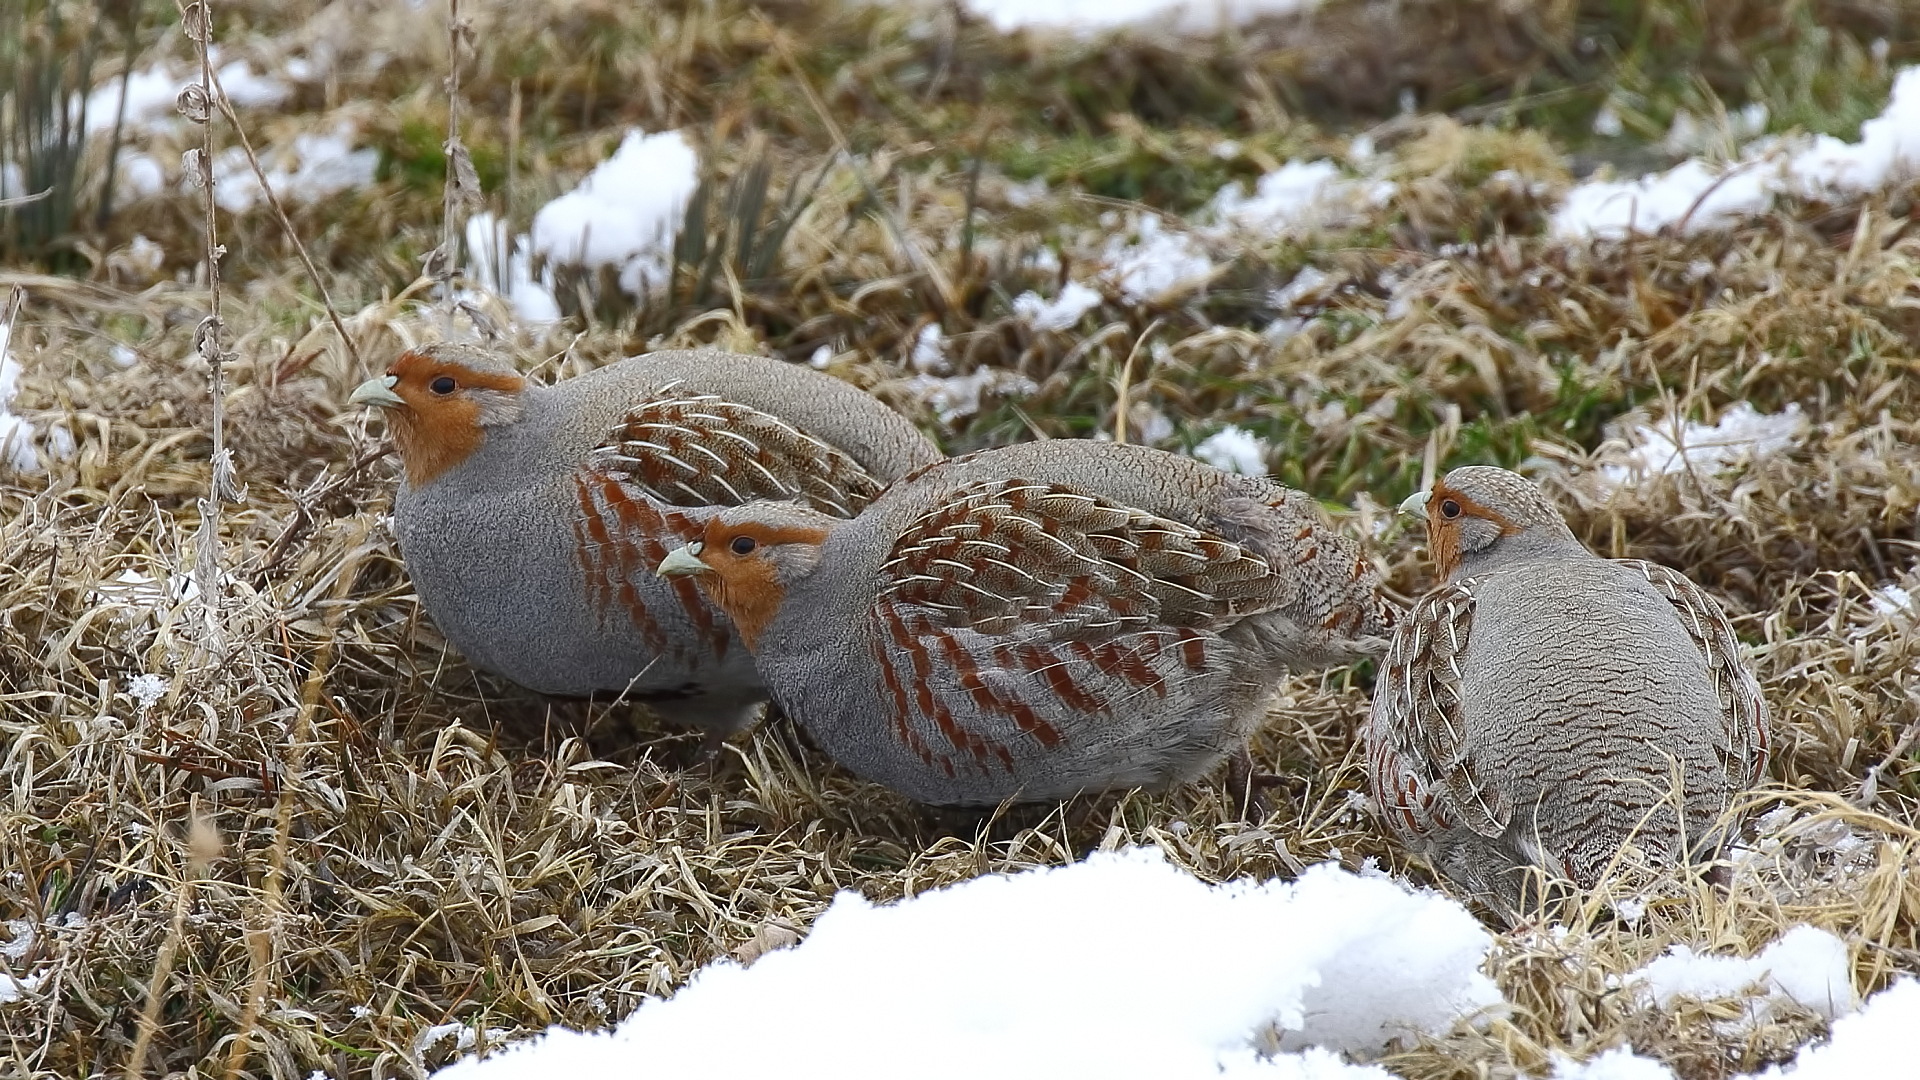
<point x="328" y="836"/>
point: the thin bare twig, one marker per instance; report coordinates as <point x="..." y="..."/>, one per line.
<point x="461" y="191"/>
<point x="286" y="222"/>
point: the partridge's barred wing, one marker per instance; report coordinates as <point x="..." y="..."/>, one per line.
<point x="1039" y="612"/>
<point x="652" y="482"/>
<point x="684" y="449"/>
<point x="1744" y="745"/>
<point x="1417" y="762"/>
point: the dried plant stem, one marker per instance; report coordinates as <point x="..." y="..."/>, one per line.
<point x="286" y="222"/>
<point x="196" y="103"/>
<point x="1124" y="388"/>
<point x="461" y="191"/>
<point x="450" y="191"/>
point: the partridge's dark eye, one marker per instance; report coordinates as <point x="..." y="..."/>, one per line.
<point x="443" y="385"/>
<point x="743" y="545"/>
<point x="1449" y="508"/>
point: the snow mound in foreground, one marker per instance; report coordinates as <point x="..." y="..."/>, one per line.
<point x="1806" y="968"/>
<point x="1872" y="1044"/>
<point x="1119" y="966"/>
<point x="1090" y="18"/>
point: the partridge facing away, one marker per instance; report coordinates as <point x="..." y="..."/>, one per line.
<point x="1039" y="620"/>
<point x="531" y="517"/>
<point x="1536" y="710"/>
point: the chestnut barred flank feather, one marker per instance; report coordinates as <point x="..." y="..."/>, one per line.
<point x="1042" y="619"/>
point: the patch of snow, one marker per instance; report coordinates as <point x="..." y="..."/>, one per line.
<point x="929" y="356"/>
<point x="141" y="174"/>
<point x="143" y="255"/>
<point x="1235" y="450"/>
<point x="1875" y="1042"/>
<point x="152" y="94"/>
<point x="463" y="1035"/>
<point x="1619" y="1063"/>
<point x="1631" y="911"/>
<point x="1090" y="18"/>
<point x="17" y="434"/>
<point x="1147" y="425"/>
<point x="821" y="357"/>
<point x="147" y="689"/>
<point x="1606" y="123"/>
<point x="16" y="441"/>
<point x="1825" y="167"/>
<point x="1021" y="195"/>
<point x="1298" y="196"/>
<point x="1120" y="966"/>
<point x="1694" y="193"/>
<point x="1327" y="418"/>
<point x="1144" y="260"/>
<point x="22" y="935"/>
<point x="311" y="168"/>
<point x="626" y="214"/>
<point x="13" y="988"/>
<point x="1807" y="967"/>
<point x="249" y="91"/>
<point x="1147" y="261"/>
<point x="133" y="589"/>
<point x="957" y="397"/>
<point x="502" y="265"/>
<point x="1045" y="259"/>
<point x="1279" y="330"/>
<point x="1892" y="600"/>
<point x="1688" y="135"/>
<point x="1063" y="312"/>
<point x="1310" y="284"/>
<point x="1888" y="150"/>
<point x="1672" y="445"/>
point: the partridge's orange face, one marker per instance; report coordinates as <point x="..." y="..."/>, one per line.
<point x="439" y="409"/>
<point x="1457" y="523"/>
<point x="745" y="567"/>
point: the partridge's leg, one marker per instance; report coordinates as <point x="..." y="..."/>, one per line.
<point x="1249" y="786"/>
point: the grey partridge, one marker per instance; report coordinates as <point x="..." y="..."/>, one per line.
<point x="1040" y="620"/>
<point x="1539" y="709"/>
<point x="531" y="517"/>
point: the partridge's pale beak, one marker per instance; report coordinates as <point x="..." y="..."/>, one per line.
<point x="683" y="562"/>
<point x="1416" y="504"/>
<point x="377" y="391"/>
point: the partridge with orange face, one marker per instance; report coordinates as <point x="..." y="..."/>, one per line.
<point x="531" y="517"/>
<point x="1040" y="620"/>
<point x="1540" y="709"/>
